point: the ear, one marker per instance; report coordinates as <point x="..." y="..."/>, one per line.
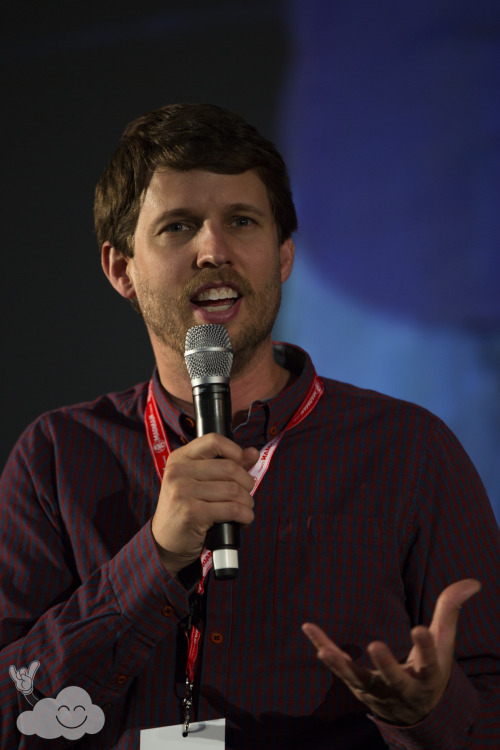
<point x="287" y="254"/>
<point x="116" y="267"/>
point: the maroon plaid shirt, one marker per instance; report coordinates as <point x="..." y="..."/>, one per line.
<point x="369" y="509"/>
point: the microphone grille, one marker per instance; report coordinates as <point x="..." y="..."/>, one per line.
<point x="208" y="352"/>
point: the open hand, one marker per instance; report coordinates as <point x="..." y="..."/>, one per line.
<point x="402" y="694"/>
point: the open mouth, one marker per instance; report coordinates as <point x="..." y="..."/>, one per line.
<point x="216" y="299"/>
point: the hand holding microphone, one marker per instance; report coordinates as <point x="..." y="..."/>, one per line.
<point x="205" y="482"/>
<point x="209" y="358"/>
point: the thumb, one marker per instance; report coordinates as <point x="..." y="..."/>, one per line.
<point x="250" y="458"/>
<point x="445" y="618"/>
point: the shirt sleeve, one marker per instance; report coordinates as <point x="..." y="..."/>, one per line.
<point x="96" y="633"/>
<point x="453" y="535"/>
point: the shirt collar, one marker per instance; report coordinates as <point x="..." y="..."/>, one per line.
<point x="266" y="419"/>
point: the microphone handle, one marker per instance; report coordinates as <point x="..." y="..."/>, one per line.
<point x="212" y="406"/>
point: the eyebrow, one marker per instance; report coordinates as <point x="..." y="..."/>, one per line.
<point x="245" y="207"/>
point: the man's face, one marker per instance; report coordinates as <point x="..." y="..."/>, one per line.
<point x="206" y="251"/>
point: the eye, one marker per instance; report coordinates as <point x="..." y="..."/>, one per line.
<point x="243" y="221"/>
<point x="177" y="227"/>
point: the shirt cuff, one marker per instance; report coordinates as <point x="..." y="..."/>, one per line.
<point x="446" y="727"/>
<point x="147" y="595"/>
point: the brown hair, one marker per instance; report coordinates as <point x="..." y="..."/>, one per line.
<point x="185" y="136"/>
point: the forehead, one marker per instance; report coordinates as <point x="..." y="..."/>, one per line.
<point x="196" y="189"/>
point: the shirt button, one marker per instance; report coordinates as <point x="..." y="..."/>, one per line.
<point x="167" y="611"/>
<point x="121" y="679"/>
<point x="183" y="440"/>
<point x="187" y="425"/>
<point x="273" y="430"/>
<point x="216" y="637"/>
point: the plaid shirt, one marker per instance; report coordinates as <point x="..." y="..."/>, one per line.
<point x="369" y="509"/>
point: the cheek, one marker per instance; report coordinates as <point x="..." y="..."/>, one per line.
<point x="158" y="273"/>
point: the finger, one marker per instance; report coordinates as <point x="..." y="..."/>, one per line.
<point x="209" y="470"/>
<point x="358" y="679"/>
<point x="208" y="492"/>
<point x="196" y="505"/>
<point x="227" y="512"/>
<point x="33" y="668"/>
<point x="445" y="618"/>
<point x="224" y="470"/>
<point x="13" y="673"/>
<point x="316" y="635"/>
<point x="326" y="648"/>
<point x="210" y="446"/>
<point x="387" y="666"/>
<point x="250" y="458"/>
<point x="424" y="655"/>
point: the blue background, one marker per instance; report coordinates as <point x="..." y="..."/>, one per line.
<point x="391" y="125"/>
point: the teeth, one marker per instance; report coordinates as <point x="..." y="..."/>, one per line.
<point x="220" y="308"/>
<point x="223" y="292"/>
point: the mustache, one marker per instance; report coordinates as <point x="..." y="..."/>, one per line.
<point x="223" y="276"/>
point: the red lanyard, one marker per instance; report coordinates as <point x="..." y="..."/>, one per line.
<point x="160" y="451"/>
<point x="160" y="447"/>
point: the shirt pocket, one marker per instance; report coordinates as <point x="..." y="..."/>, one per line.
<point x="336" y="571"/>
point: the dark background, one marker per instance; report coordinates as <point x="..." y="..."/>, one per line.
<point x="388" y="114"/>
<point x="74" y="75"/>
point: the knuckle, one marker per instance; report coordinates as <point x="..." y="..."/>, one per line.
<point x="233" y="490"/>
<point x="232" y="469"/>
<point x="215" y="441"/>
<point x="173" y="471"/>
<point x="175" y="491"/>
<point x="244" y="514"/>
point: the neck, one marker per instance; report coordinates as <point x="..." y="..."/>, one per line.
<point x="262" y="379"/>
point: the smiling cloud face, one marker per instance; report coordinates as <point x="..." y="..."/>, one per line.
<point x="71" y="715"/>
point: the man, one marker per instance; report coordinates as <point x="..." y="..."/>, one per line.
<point x="360" y="513"/>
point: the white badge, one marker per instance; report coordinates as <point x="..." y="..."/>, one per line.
<point x="205" y="735"/>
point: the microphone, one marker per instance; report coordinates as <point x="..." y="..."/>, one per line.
<point x="209" y="358"/>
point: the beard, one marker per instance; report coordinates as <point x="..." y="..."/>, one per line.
<point x="169" y="319"/>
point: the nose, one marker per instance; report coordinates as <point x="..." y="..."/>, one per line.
<point x="213" y="247"/>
